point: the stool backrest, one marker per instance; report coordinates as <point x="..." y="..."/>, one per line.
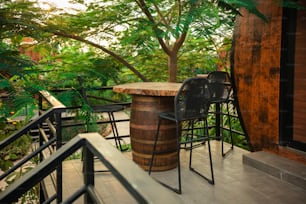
<point x="220" y="85"/>
<point x="192" y="100"/>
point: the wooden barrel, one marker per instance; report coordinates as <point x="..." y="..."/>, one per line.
<point x="143" y="126"/>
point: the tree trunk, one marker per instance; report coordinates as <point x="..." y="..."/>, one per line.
<point x="172" y="66"/>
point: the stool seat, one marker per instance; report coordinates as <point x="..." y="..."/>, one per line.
<point x="106" y="108"/>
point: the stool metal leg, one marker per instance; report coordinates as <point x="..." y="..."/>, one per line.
<point x="179" y="189"/>
<point x="230" y="126"/>
<point x="191" y="145"/>
<point x="230" y="131"/>
<point x="154" y="147"/>
<point x="212" y="179"/>
<point x="115" y="130"/>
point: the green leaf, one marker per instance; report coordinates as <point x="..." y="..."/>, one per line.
<point x="250" y="5"/>
<point x="4" y="83"/>
<point x="13" y="156"/>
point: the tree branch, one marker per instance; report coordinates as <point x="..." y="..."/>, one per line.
<point x="179" y="42"/>
<point x="162" y="17"/>
<point x="146" y="11"/>
<point x="114" y="55"/>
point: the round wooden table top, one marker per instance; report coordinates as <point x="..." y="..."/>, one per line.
<point x="149" y="88"/>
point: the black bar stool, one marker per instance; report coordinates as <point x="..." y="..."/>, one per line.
<point x="109" y="109"/>
<point x="191" y="105"/>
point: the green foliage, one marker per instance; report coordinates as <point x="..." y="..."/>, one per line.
<point x="208" y="24"/>
<point x="72" y="62"/>
<point x="70" y="98"/>
<point x="4" y="83"/>
<point x="75" y="155"/>
<point x="17" y="149"/>
<point x="69" y="132"/>
<point x="66" y="43"/>
<point x="14" y="71"/>
<point x="11" y="62"/>
<point x="31" y="196"/>
<point x="233" y="6"/>
<point x="128" y="30"/>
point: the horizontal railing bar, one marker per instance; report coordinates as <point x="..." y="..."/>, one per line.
<point x="75" y="195"/>
<point x="93" y="194"/>
<point x="33" y="124"/>
<point x="222" y="113"/>
<point x="23" y="184"/>
<point x="234" y="131"/>
<point x="89" y="189"/>
<point x="49" y="200"/>
<point x="98" y="122"/>
<point x="102" y="99"/>
<point x="27" y="158"/>
<point x="141" y="186"/>
<point x="58" y="90"/>
<point x="121" y="136"/>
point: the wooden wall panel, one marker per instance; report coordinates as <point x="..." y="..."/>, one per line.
<point x="256" y="72"/>
<point x="299" y="104"/>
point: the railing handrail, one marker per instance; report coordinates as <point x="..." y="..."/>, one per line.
<point x="140" y="185"/>
<point x="51" y="100"/>
<point x="103" y="88"/>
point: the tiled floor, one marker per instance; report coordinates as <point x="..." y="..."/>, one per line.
<point x="235" y="182"/>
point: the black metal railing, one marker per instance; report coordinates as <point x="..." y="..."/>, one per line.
<point x="49" y="124"/>
<point x="50" y="143"/>
<point x="66" y="121"/>
<point x="93" y="146"/>
<point x="50" y="118"/>
<point x="219" y="125"/>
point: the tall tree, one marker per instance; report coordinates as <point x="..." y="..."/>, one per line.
<point x="168" y="22"/>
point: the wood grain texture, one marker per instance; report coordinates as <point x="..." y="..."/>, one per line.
<point x="256" y="73"/>
<point x="143" y="127"/>
<point x="299" y="106"/>
<point x="148" y="100"/>
<point x="149" y="88"/>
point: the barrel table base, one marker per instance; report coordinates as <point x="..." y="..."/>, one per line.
<point x="143" y="126"/>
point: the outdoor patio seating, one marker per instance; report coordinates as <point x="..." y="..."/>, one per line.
<point x="191" y="105"/>
<point x="220" y="85"/>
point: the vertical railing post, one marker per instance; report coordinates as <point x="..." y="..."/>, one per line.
<point x="40" y="104"/>
<point x="88" y="172"/>
<point x="58" y="123"/>
<point x="41" y="140"/>
<point x="218" y="121"/>
<point x="59" y="170"/>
